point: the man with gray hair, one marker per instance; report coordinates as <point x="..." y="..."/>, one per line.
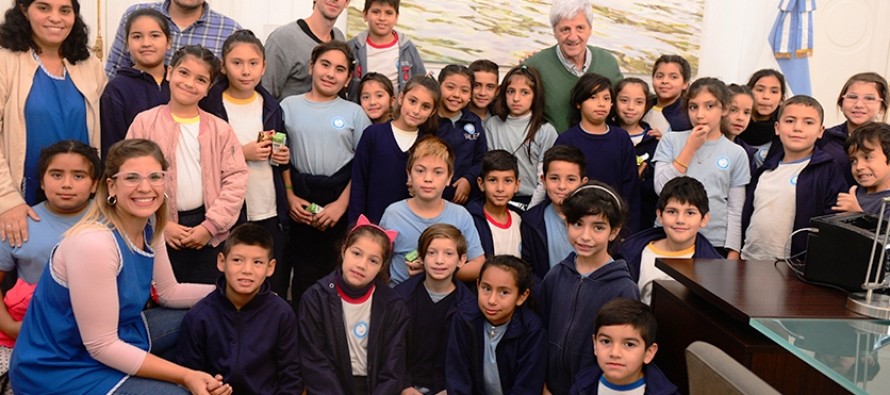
<point x="564" y="63"/>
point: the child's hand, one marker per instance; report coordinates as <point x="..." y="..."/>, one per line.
<point x="414" y="267"/>
<point x="175" y="233"/>
<point x="641" y="168"/>
<point x="197" y="238"/>
<point x="297" y="206"/>
<point x="257" y="151"/>
<point x="698" y="136"/>
<point x="733" y="254"/>
<point x="461" y="191"/>
<point x="411" y="391"/>
<point x="329" y="217"/>
<point x="282" y="156"/>
<point x="847" y="202"/>
<point x="656" y="133"/>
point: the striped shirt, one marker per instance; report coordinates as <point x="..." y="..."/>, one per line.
<point x="210" y="31"/>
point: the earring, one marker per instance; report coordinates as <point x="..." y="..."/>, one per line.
<point x="166" y="197"/>
<point x="111" y="200"/>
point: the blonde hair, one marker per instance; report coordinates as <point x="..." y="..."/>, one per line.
<point x="101" y="214"/>
<point x="431" y="146"/>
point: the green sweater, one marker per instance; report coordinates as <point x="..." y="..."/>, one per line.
<point x="558" y="82"/>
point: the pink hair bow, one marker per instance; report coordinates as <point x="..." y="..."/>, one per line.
<point x="364" y="221"/>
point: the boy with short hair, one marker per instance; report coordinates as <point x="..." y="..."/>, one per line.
<point x="383" y="50"/>
<point x="497" y="221"/>
<point x="583" y="282"/>
<point x="243" y="331"/>
<point x="619" y="368"/>
<point x="485" y="87"/>
<point x="430" y="168"/>
<point x="869" y="150"/>
<point x="800" y="182"/>
<point x="543" y="230"/>
<point x="682" y="209"/>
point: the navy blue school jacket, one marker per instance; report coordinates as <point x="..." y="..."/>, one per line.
<point x="588" y="380"/>
<point x="324" y="354"/>
<point x="467" y="141"/>
<point x="817" y="188"/>
<point x="569" y="303"/>
<point x="130" y="92"/>
<point x="379" y="176"/>
<point x="475" y="207"/>
<point x="254" y="348"/>
<point x="533" y="232"/>
<point x="834" y="142"/>
<point x="675" y="114"/>
<point x="611" y="159"/>
<point x="428" y="333"/>
<point x="521" y="354"/>
<point x="648" y="197"/>
<point x="631" y="249"/>
<point x="273" y="119"/>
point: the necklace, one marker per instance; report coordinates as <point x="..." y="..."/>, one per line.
<point x="701" y="158"/>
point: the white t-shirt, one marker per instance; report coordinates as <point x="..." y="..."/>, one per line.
<point x="636" y="388"/>
<point x="655" y="118"/>
<point x="384" y="59"/>
<point x="506" y="236"/>
<point x="357" y="318"/>
<point x="404" y="138"/>
<point x="648" y="271"/>
<point x="773" y="218"/>
<point x="246" y="118"/>
<point x="189" y="182"/>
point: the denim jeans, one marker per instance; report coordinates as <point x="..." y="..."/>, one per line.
<point x="163" y="331"/>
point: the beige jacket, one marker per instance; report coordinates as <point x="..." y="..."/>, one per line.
<point x="16" y="76"/>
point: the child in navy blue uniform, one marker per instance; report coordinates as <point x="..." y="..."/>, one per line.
<point x="433" y="299"/>
<point x="682" y="210"/>
<point x="611" y="158"/>
<point x="497" y="346"/>
<point x="485" y="87"/>
<point x="242" y="330"/>
<point x="544" y="239"/>
<point x="462" y="131"/>
<point x="863" y="99"/>
<point x="624" y="345"/>
<point x="799" y="183"/>
<point x="670" y="78"/>
<point x="378" y="172"/>
<point x="376" y="96"/>
<point x="239" y="99"/>
<point x="353" y="325"/>
<point x="869" y="150"/>
<point x="630" y="105"/>
<point x="583" y="282"/>
<point x="143" y="86"/>
<point x="497" y="221"/>
<point x="768" y="86"/>
<point x="741" y="105"/>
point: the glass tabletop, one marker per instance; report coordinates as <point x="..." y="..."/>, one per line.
<point x="851" y="352"/>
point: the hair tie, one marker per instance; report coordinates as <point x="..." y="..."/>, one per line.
<point x="602" y="188"/>
<point x="364" y="221"/>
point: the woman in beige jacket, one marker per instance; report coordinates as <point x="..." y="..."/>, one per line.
<point x="50" y="86"/>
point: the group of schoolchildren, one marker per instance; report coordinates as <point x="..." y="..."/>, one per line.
<point x="553" y="232"/>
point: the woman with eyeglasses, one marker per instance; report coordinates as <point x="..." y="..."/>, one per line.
<point x="86" y="332"/>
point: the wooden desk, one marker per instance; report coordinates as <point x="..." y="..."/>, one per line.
<point x="714" y="301"/>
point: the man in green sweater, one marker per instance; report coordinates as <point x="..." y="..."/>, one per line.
<point x="564" y="63"/>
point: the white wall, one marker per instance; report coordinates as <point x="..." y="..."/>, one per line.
<point x="850" y="36"/>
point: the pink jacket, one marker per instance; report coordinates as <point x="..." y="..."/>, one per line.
<point x="224" y="171"/>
